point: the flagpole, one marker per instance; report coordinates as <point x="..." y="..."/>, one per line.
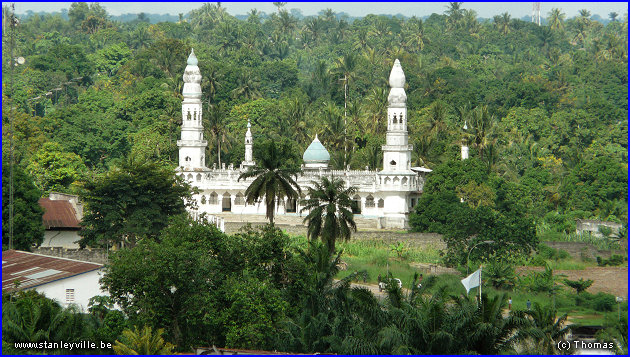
<point x="480" y="272"/>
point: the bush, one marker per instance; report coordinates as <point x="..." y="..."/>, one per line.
<point x="614" y="260"/>
<point x="603" y="302"/>
<point x="501" y="275"/>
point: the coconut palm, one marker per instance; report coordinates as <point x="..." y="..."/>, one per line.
<point x="273" y="181"/>
<point x="502" y="22"/>
<point x="455" y="14"/>
<point x="329" y="206"/>
<point x="217" y="127"/>
<point x="142" y="342"/>
<point x="247" y="86"/>
<point x="544" y="329"/>
<point x="556" y="19"/>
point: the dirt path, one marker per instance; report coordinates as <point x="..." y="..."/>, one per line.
<point x="612" y="280"/>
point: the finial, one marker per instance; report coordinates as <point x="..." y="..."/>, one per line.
<point x="249" y="125"/>
<point x="397" y="76"/>
<point x="316" y="139"/>
<point x="192" y="59"/>
<point x="465" y="125"/>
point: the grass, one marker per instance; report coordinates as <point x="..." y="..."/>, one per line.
<point x="377" y="258"/>
<point x="545" y="234"/>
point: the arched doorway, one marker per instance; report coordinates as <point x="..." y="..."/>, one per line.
<point x="226" y="205"/>
<point x="291" y="206"/>
<point x="356" y="209"/>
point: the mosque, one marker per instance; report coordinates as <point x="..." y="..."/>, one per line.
<point x="387" y="196"/>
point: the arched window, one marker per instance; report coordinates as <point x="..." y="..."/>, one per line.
<point x="214" y="198"/>
<point x="188" y="115"/>
<point x="203" y="199"/>
<point x="395" y="120"/>
<point x="239" y="200"/>
<point x="190" y="177"/>
<point x="291" y="206"/>
<point x="381" y="203"/>
<point x="369" y="201"/>
<point x="187" y="159"/>
<point x="404" y="181"/>
<point x="226" y="203"/>
<point x="387" y="180"/>
<point x="356" y="209"/>
<point x="401" y="118"/>
<point x="195" y="115"/>
<point x="198" y="177"/>
<point x="396" y="180"/>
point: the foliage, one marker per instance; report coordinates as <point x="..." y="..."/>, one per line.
<point x="614" y="260"/>
<point x="274" y="179"/>
<point x="329" y="206"/>
<point x="142" y="342"/>
<point x="28" y="316"/>
<point x="501" y="275"/>
<point x="28" y="229"/>
<point x="54" y="169"/>
<point x="130" y="202"/>
<point x="579" y="285"/>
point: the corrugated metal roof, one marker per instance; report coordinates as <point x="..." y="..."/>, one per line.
<point x="58" y="214"/>
<point x="32" y="269"/>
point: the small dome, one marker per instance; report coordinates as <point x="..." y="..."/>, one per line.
<point x="192" y="59"/>
<point x="316" y="152"/>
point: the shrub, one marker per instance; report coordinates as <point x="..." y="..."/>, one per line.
<point x="501" y="275"/>
<point x="614" y="260"/>
<point x="603" y="302"/>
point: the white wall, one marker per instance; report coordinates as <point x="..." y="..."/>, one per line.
<point x="63" y="239"/>
<point x="85" y="286"/>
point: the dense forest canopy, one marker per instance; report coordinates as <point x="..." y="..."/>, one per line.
<point x="545" y="106"/>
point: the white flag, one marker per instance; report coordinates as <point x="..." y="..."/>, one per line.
<point x="472" y="280"/>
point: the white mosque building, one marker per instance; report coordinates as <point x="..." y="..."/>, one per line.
<point x="386" y="196"/>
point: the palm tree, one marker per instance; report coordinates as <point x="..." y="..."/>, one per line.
<point x="247" y="87"/>
<point x="143" y="342"/>
<point x="455" y="14"/>
<point x="218" y="127"/>
<point x="556" y="18"/>
<point x="545" y="329"/>
<point x="613" y="16"/>
<point x="502" y="22"/>
<point x="329" y="206"/>
<point x="273" y="181"/>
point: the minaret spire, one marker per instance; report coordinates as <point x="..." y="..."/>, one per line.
<point x="192" y="146"/>
<point x="397" y="179"/>
<point x="249" y="143"/>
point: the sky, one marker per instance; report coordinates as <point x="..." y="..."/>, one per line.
<point x="483" y="9"/>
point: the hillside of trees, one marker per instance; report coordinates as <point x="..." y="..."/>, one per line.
<point x="545" y="106"/>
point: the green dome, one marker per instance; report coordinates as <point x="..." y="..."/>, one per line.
<point x="316" y="152"/>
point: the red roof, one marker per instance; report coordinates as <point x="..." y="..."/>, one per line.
<point x="58" y="214"/>
<point x="32" y="269"/>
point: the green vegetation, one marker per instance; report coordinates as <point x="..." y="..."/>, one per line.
<point x="96" y="111"/>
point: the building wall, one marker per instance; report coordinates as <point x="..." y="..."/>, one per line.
<point x="85" y="286"/>
<point x="64" y="239"/>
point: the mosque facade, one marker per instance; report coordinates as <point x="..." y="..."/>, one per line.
<point x="387" y="196"/>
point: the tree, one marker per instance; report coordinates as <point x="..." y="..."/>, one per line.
<point x="130" y="202"/>
<point x="143" y="342"/>
<point x="329" y="206"/>
<point x="545" y="329"/>
<point x="556" y="18"/>
<point x="28" y="229"/>
<point x="613" y="16"/>
<point x="28" y="316"/>
<point x="54" y="169"/>
<point x="579" y="285"/>
<point x="274" y="180"/>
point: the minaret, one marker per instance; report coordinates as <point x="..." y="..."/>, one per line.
<point x="249" y="143"/>
<point x="397" y="181"/>
<point x="465" y="143"/>
<point x="192" y="146"/>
